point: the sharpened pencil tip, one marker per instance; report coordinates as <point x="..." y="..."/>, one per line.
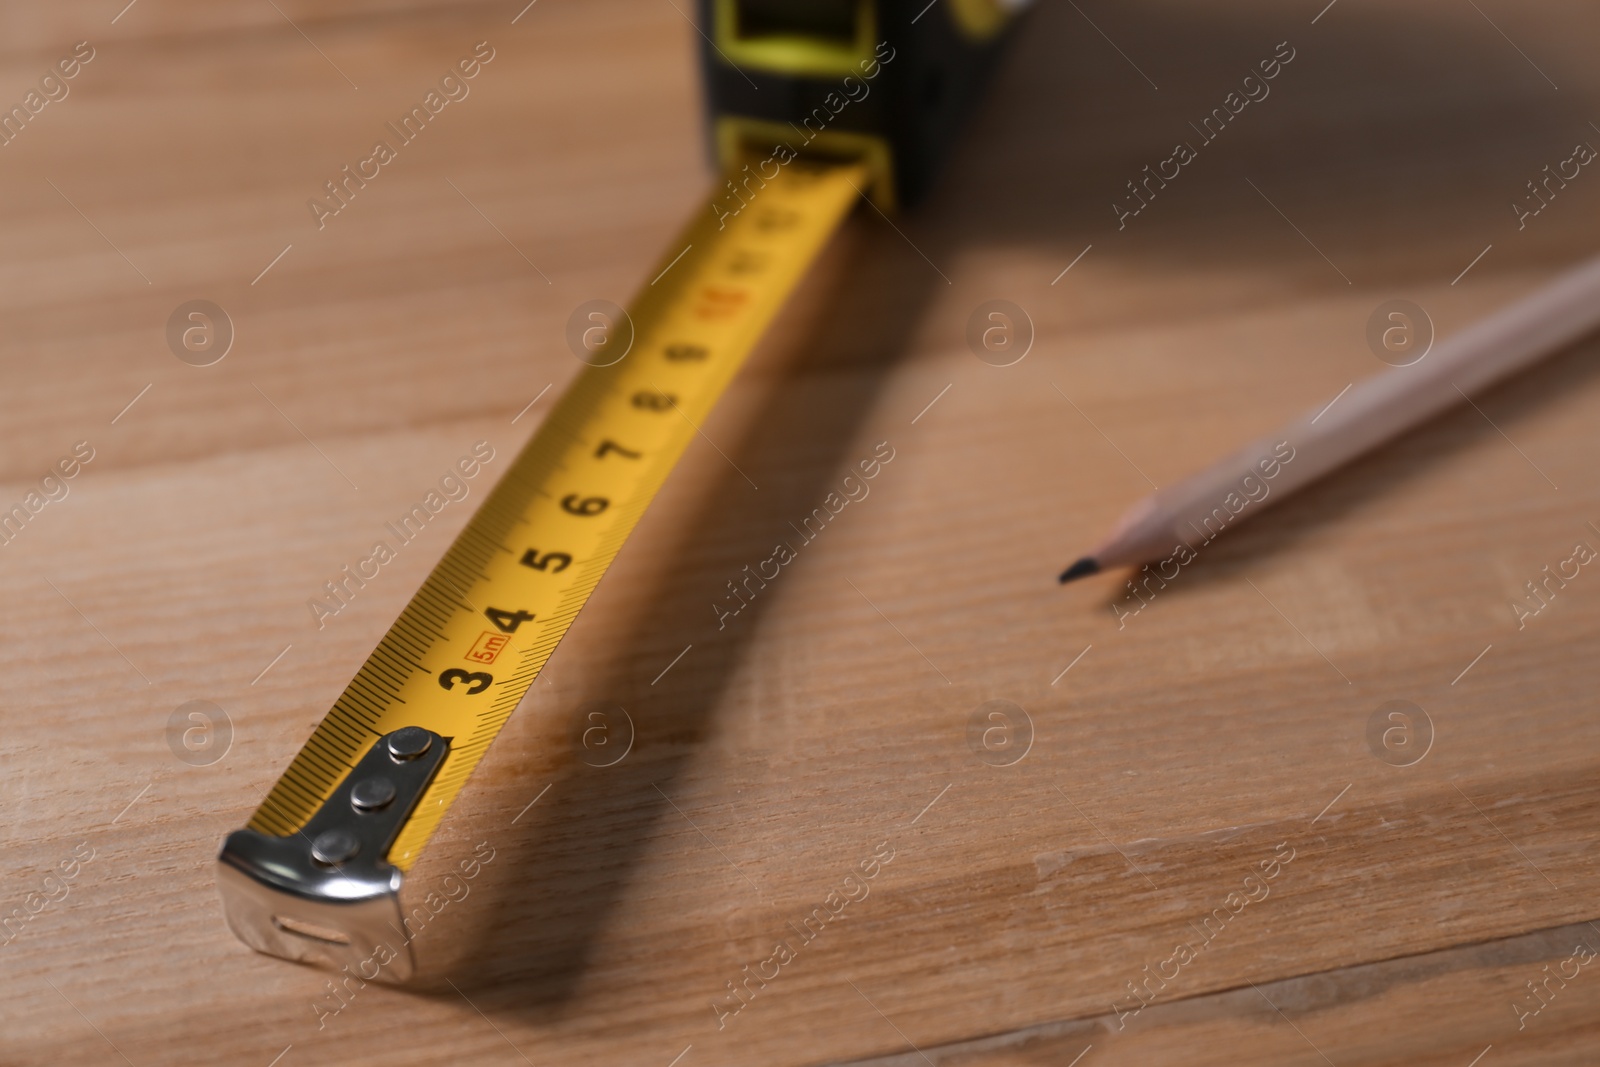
<point x="1080" y="569"/>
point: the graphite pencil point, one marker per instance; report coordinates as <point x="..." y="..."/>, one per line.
<point x="1080" y="569"/>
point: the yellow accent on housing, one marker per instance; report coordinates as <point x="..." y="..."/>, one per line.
<point x="794" y="53"/>
<point x="741" y="140"/>
<point x="979" y="19"/>
<point x="577" y="490"/>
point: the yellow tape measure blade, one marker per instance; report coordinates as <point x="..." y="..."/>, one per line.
<point x="466" y="648"/>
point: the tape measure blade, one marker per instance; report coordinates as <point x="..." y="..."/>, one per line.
<point x="475" y="636"/>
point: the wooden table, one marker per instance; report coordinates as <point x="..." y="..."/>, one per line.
<point x="1200" y="776"/>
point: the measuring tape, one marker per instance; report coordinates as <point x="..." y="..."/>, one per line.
<point x="316" y="875"/>
<point x="462" y="654"/>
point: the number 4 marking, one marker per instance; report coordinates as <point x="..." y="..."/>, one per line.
<point x="507" y="621"/>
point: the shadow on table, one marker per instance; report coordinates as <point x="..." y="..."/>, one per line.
<point x="572" y="855"/>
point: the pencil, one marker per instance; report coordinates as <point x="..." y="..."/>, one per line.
<point x="1179" y="518"/>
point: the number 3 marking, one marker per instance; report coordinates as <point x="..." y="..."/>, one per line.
<point x="480" y="680"/>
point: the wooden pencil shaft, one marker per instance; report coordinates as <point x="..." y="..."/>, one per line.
<point x="1369" y="413"/>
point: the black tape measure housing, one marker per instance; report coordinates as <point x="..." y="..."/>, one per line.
<point x="886" y="81"/>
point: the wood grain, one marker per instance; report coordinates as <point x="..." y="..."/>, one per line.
<point x="831" y="720"/>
